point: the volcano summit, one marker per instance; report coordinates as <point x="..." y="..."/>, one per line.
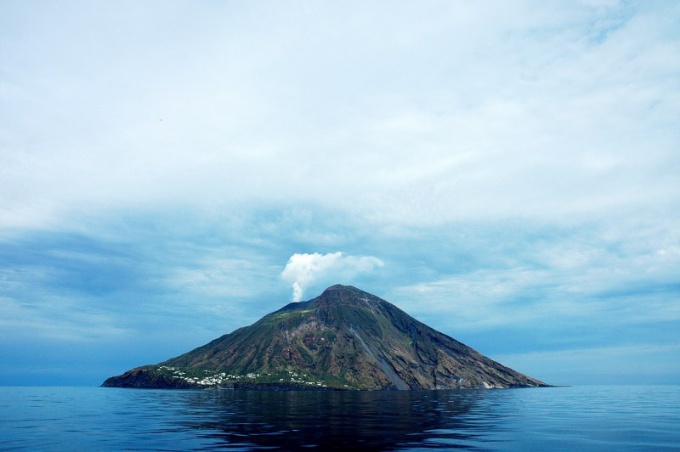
<point x="343" y="339"/>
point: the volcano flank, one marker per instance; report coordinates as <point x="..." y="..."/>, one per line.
<point x="343" y="339"/>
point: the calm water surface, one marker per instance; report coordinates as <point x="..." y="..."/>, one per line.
<point x="575" y="418"/>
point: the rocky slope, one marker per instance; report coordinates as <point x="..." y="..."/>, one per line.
<point x="343" y="339"/>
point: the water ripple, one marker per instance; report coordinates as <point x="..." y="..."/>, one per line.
<point x="581" y="418"/>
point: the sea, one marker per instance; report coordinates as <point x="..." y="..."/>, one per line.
<point x="579" y="418"/>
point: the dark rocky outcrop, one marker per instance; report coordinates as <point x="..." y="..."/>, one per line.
<point x="148" y="378"/>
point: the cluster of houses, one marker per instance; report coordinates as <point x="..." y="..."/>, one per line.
<point x="217" y="379"/>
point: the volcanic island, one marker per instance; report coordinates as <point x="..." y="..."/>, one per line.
<point x="344" y="339"/>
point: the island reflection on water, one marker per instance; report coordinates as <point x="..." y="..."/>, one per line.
<point x="342" y="420"/>
<point x="621" y="418"/>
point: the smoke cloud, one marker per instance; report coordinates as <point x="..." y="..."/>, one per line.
<point x="302" y="270"/>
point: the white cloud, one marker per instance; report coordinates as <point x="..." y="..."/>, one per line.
<point x="467" y="112"/>
<point x="225" y="278"/>
<point x="57" y="319"/>
<point x="579" y="277"/>
<point x="302" y="270"/>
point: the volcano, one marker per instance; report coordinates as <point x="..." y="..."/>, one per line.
<point x="344" y="339"/>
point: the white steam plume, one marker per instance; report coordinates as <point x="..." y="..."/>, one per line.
<point x="304" y="269"/>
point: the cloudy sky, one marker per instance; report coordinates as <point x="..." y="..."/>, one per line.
<point x="507" y="172"/>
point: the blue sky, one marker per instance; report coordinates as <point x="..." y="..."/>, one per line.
<point x="506" y="172"/>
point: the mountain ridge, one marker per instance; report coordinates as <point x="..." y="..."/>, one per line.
<point x="343" y="339"/>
